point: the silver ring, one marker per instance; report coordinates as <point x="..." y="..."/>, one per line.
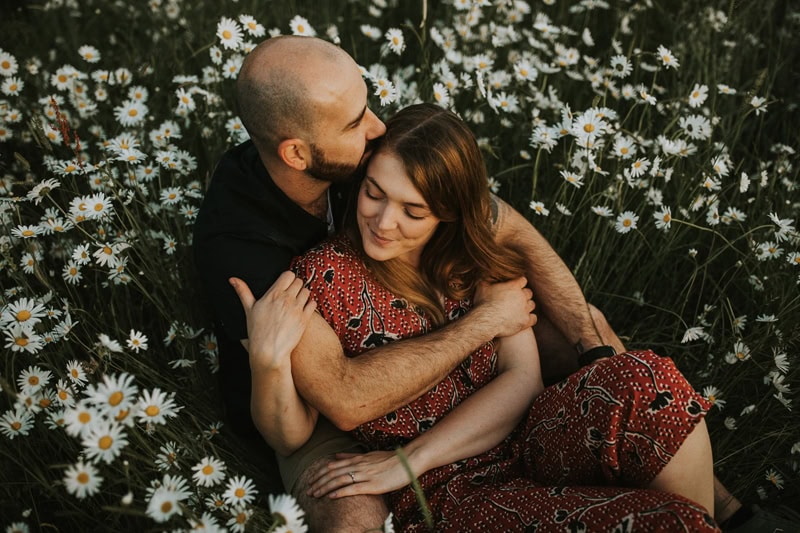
<point x="352" y="476"/>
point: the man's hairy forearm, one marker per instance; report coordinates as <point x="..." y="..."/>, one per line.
<point x="555" y="290"/>
<point x="352" y="391"/>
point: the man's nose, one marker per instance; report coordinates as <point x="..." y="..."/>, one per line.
<point x="376" y="126"/>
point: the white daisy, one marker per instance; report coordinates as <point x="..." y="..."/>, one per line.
<point x="104" y="441"/>
<point x="287" y="512"/>
<point x="89" y="53"/>
<point x="698" y="95"/>
<point x="663" y="218"/>
<point x="229" y="33"/>
<point x="240" y="490"/>
<point x="81" y="418"/>
<point x="33" y="379"/>
<point x="137" y="341"/>
<point x="539" y="208"/>
<point x="240" y="515"/>
<point x="20" y="338"/>
<point x="441" y="95"/>
<point x="165" y="501"/>
<point x="16" y="422"/>
<point x="76" y="372"/>
<point x="82" y="480"/>
<point x="154" y="407"/>
<point x="8" y="64"/>
<point x="130" y="113"/>
<point x="396" y="41"/>
<point x="602" y="211"/>
<point x="666" y="57"/>
<point x="300" y="26"/>
<point x="25" y="311"/>
<point x="626" y="221"/>
<point x="114" y="395"/>
<point x="12" y="86"/>
<point x="620" y="66"/>
<point x="209" y="471"/>
<point x="252" y="26"/>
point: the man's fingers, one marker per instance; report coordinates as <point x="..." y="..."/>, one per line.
<point x="283" y="282"/>
<point x="243" y="292"/>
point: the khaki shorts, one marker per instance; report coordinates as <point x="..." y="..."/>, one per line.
<point x="326" y="440"/>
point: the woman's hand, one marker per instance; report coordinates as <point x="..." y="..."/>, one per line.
<point x="276" y="321"/>
<point x="367" y="473"/>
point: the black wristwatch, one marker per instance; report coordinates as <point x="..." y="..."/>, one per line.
<point x="592" y="355"/>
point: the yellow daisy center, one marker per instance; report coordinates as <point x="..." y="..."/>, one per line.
<point x="132" y="112"/>
<point x="152" y="410"/>
<point x="588" y="128"/>
<point x="239" y="493"/>
<point x="667" y="217"/>
<point x="241" y="518"/>
<point x="301" y="28"/>
<point x="62" y="78"/>
<point x="73" y="271"/>
<point x="6" y="64"/>
<point x="627" y="222"/>
<point x="44" y="403"/>
<point x="15" y="425"/>
<point x="122" y="415"/>
<point x="107" y="250"/>
<point x="166" y="507"/>
<point x="62" y="395"/>
<point x="115" y="398"/>
<point x="623" y="150"/>
<point x="21" y="341"/>
<point x="105" y="442"/>
<point x="226" y="34"/>
<point x="208" y="470"/>
<point x="84" y="417"/>
<point x="33" y="380"/>
<point x="23" y="315"/>
<point x="696" y="94"/>
<point x="98" y="207"/>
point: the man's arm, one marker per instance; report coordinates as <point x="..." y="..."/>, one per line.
<point x="351" y="391"/>
<point x="556" y="291"/>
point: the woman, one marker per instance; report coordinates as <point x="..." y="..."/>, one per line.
<point x="620" y="443"/>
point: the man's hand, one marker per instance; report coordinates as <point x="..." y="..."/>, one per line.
<point x="507" y="306"/>
<point x="275" y="322"/>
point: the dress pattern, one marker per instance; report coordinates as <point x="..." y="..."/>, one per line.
<point x="571" y="464"/>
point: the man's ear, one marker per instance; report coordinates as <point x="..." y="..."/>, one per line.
<point x="295" y="153"/>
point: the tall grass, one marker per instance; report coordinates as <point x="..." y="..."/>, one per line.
<point x="717" y="289"/>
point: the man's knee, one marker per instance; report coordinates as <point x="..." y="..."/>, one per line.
<point x="354" y="514"/>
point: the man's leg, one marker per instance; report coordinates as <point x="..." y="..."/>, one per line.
<point x="351" y="515"/>
<point x="354" y="514"/>
<point x="559" y="358"/>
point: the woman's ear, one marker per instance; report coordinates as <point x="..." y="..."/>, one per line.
<point x="295" y="153"/>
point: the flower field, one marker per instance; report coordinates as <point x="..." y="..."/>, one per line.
<point x="653" y="143"/>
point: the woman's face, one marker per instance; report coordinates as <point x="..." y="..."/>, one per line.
<point x="393" y="218"/>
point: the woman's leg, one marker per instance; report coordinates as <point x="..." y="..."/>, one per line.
<point x="690" y="472"/>
<point x="621" y="422"/>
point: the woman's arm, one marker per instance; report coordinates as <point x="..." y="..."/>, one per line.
<point x="477" y="424"/>
<point x="279" y="413"/>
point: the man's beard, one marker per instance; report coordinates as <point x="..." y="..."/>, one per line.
<point x="325" y="170"/>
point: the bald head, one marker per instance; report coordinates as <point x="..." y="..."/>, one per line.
<point x="278" y="86"/>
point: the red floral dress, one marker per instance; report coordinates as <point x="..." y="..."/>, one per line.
<point x="569" y="466"/>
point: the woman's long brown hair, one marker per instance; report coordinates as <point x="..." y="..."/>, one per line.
<point x="442" y="159"/>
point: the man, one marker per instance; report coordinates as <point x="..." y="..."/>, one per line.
<point x="304" y="103"/>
